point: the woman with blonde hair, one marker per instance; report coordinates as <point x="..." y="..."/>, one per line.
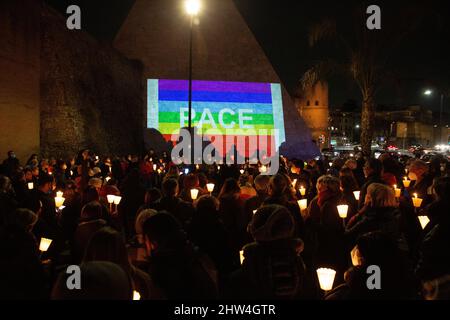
<point x="381" y="214"/>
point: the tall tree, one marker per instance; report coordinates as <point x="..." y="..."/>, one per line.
<point x="362" y="54"/>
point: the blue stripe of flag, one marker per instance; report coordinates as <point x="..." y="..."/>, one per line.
<point x="215" y="96"/>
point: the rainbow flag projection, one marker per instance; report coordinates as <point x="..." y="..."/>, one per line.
<point x="238" y="111"/>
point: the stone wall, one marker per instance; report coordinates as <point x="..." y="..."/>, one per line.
<point x="91" y="95"/>
<point x="19" y="77"/>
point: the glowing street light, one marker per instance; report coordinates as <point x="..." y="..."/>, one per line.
<point x="192" y="7"/>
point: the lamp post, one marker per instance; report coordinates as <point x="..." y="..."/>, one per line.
<point x="192" y="9"/>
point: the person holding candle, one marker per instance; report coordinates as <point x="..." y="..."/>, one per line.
<point x="397" y="279"/>
<point x="381" y="214"/>
<point x="272" y="267"/>
<point x="22" y="273"/>
<point x="300" y="175"/>
<point x="262" y="192"/>
<point x="180" y="209"/>
<point x="434" y="256"/>
<point x="177" y="268"/>
<point x="108" y="244"/>
<point x="208" y="232"/>
<point x="326" y="232"/>
<point x="372" y="172"/>
<point x="421" y="181"/>
<point x="280" y="194"/>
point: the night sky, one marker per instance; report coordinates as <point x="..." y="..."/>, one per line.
<point x="281" y="27"/>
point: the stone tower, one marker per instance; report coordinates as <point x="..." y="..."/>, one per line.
<point x="156" y="32"/>
<point x="314" y="109"/>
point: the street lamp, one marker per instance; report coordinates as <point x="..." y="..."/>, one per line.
<point x="192" y="9"/>
<point x="429" y="92"/>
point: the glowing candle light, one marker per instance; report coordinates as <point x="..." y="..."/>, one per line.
<point x="59" y="194"/>
<point x="242" y="171"/>
<point x="59" y="201"/>
<point x="303" y="204"/>
<point x="294" y="183"/>
<point x="357" y="194"/>
<point x="406" y="182"/>
<point x="218" y="168"/>
<point x="210" y="187"/>
<point x="155" y="167"/>
<point x="107" y="179"/>
<point x="326" y="278"/>
<point x="424" y="221"/>
<point x="263" y="169"/>
<point x="194" y="194"/>
<point x="330" y="164"/>
<point x="241" y="256"/>
<point x="302" y="191"/>
<point x="30" y="185"/>
<point x="417" y="202"/>
<point x="110" y="198"/>
<point x="159" y="171"/>
<point x="398" y="191"/>
<point x="343" y="211"/>
<point x="44" y="244"/>
<point x="136" y="295"/>
<point x="255" y="211"/>
<point x="117" y="200"/>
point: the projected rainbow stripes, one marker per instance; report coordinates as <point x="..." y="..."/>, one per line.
<point x="230" y="109"/>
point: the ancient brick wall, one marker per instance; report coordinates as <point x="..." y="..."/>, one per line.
<point x="19" y="77"/>
<point x="91" y="95"/>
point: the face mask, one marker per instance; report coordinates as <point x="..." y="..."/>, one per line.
<point x="412" y="176"/>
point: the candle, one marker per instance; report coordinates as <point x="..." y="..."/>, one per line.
<point x="218" y="167"/>
<point x="406" y="182"/>
<point x="241" y="256"/>
<point x="242" y="171"/>
<point x="210" y="187"/>
<point x="159" y="171"/>
<point x="71" y="172"/>
<point x="255" y="211"/>
<point x="59" y="194"/>
<point x="398" y="191"/>
<point x="30" y="185"/>
<point x="343" y="211"/>
<point x="194" y="194"/>
<point x="59" y="201"/>
<point x="107" y="179"/>
<point x="330" y="164"/>
<point x="44" y="244"/>
<point x="197" y="167"/>
<point x="417" y="202"/>
<point x="117" y="200"/>
<point x="110" y="169"/>
<point x="154" y="167"/>
<point x="110" y="198"/>
<point x="294" y="182"/>
<point x="263" y="169"/>
<point x="357" y="194"/>
<point x="303" y="204"/>
<point x="424" y="221"/>
<point x="302" y="191"/>
<point x="136" y="295"/>
<point x="326" y="278"/>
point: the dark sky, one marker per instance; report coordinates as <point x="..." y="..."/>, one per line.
<point x="281" y="27"/>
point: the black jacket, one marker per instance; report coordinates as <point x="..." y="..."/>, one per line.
<point x="272" y="270"/>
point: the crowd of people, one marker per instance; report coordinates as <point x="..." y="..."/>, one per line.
<point x="239" y="235"/>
